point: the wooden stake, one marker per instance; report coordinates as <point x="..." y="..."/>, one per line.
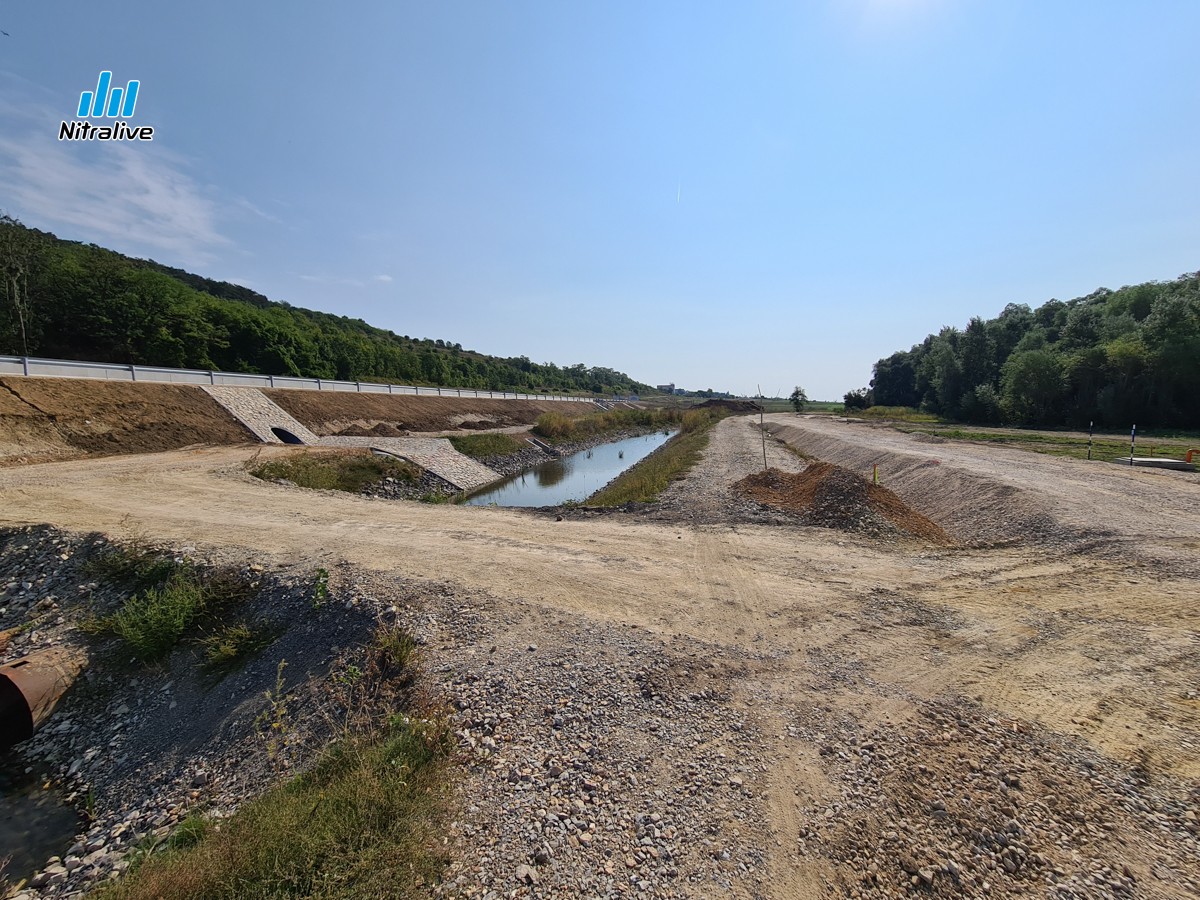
<point x="761" y="429"/>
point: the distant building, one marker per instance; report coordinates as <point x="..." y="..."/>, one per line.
<point x="666" y="388"/>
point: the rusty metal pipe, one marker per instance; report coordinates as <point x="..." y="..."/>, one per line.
<point x="1188" y="458"/>
<point x="31" y="687"/>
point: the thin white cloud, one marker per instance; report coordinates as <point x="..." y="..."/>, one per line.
<point x="386" y="279"/>
<point x="128" y="195"/>
<point x="136" y="197"/>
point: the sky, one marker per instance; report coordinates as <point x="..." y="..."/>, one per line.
<point x="719" y="195"/>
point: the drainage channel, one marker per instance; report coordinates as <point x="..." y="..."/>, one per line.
<point x="572" y="478"/>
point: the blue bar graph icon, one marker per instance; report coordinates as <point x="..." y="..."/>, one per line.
<point x="105" y="103"/>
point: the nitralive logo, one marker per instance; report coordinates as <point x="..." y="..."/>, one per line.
<point x="106" y="102"/>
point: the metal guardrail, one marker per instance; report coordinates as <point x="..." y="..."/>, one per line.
<point x="67" y="368"/>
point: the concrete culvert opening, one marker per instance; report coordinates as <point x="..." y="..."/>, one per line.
<point x="286" y="436"/>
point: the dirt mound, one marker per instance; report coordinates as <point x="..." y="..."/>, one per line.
<point x="44" y="418"/>
<point x="829" y="496"/>
<point x="330" y="412"/>
<point x="736" y="406"/>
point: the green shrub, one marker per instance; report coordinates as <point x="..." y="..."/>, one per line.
<point x="152" y="622"/>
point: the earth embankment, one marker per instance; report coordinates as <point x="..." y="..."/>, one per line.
<point x="391" y="415"/>
<point x="53" y="418"/>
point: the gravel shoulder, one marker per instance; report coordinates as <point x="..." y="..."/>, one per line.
<point x="809" y="713"/>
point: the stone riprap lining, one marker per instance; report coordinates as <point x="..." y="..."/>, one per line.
<point x="256" y="411"/>
<point x="436" y="455"/>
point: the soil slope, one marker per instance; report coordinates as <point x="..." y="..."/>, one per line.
<point x="56" y="417"/>
<point x="373" y="415"/>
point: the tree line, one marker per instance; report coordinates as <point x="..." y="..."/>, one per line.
<point x="1114" y="357"/>
<point x="67" y="300"/>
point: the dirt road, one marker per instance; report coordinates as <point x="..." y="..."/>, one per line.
<point x="1021" y="715"/>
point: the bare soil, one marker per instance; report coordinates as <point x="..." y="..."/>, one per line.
<point x="48" y="418"/>
<point x="832" y="497"/>
<point x="1016" y="717"/>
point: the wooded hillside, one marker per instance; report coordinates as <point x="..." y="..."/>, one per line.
<point x="67" y="300"/>
<point x="1117" y="357"/>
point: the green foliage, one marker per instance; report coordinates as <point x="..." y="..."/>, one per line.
<point x="321" y="587"/>
<point x="673" y="460"/>
<point x="859" y="399"/>
<point x="481" y="446"/>
<point x="171" y="598"/>
<point x="133" y="566"/>
<point x="1112" y="357"/>
<point x="74" y="301"/>
<point x="798" y="398"/>
<point x="152" y="622"/>
<point x="557" y="428"/>
<point x="338" y="471"/>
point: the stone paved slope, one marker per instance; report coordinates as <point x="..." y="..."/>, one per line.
<point x="437" y="455"/>
<point x="253" y="409"/>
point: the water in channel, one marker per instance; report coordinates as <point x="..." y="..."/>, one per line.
<point x="574" y="477"/>
<point x="35" y="824"/>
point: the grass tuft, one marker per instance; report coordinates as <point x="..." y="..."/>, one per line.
<point x="230" y="645"/>
<point x="481" y="446"/>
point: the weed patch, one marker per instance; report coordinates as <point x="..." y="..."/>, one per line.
<point x="556" y="428"/>
<point x="231" y="645"/>
<point x="481" y="446"/>
<point x="172" y="600"/>
<point x="350" y="472"/>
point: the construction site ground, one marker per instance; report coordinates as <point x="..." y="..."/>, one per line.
<point x="826" y="713"/>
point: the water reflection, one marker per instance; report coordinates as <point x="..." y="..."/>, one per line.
<point x="574" y="477"/>
<point x="548" y="474"/>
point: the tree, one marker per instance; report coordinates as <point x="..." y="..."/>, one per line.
<point x="1034" y="387"/>
<point x="798" y="399"/>
<point x="19" y="256"/>
<point x="860" y="399"/>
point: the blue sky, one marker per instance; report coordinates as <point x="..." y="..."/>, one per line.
<point x="719" y="195"/>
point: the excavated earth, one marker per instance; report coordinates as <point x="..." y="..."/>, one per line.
<point x="707" y="697"/>
<point x="829" y="496"/>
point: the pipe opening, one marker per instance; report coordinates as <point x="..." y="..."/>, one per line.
<point x="286" y="436"/>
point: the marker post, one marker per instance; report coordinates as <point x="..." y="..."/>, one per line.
<point x="1132" y="441"/>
